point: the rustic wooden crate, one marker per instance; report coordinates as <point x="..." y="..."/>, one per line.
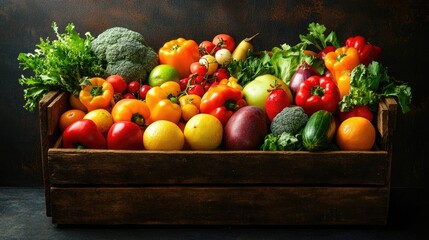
<point x="215" y="187"/>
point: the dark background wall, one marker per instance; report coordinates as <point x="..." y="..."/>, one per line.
<point x="397" y="26"/>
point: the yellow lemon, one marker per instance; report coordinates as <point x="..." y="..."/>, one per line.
<point x="203" y="132"/>
<point x="163" y="135"/>
<point x="102" y="118"/>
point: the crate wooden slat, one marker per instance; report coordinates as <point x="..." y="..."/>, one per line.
<point x="220" y="205"/>
<point x="215" y="187"/>
<point x="184" y="167"/>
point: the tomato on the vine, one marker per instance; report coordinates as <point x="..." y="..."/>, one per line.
<point x="206" y="47"/>
<point x="183" y="83"/>
<point x="224" y="41"/>
<point x="143" y="91"/>
<point x="221" y="73"/>
<point x="196" y="89"/>
<point x="197" y="68"/>
<point x="133" y="87"/>
<point x="128" y="96"/>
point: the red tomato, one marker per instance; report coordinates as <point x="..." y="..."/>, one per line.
<point x="196" y="89"/>
<point x="125" y="136"/>
<point x="183" y="83"/>
<point x="143" y="91"/>
<point x="197" y="68"/>
<point x="276" y="101"/>
<point x="133" y="87"/>
<point x="197" y="79"/>
<point x="206" y="47"/>
<point x="221" y="73"/>
<point x="128" y="96"/>
<point x="119" y="84"/>
<point x="224" y="41"/>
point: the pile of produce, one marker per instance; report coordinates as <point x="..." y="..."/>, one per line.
<point x="221" y="94"/>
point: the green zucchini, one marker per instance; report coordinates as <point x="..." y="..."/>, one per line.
<point x="319" y="131"/>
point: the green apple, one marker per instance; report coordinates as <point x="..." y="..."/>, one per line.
<point x="256" y="92"/>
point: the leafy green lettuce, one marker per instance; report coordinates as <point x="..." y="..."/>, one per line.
<point x="369" y="84"/>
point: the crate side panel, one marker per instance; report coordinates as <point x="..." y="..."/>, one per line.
<point x="45" y="140"/>
<point x="220" y="205"/>
<point x="98" y="167"/>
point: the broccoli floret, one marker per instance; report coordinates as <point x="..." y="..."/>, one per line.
<point x="126" y="53"/>
<point x="290" y="120"/>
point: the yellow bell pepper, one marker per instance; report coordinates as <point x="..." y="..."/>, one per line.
<point x="341" y="61"/>
<point x="163" y="103"/>
<point x="231" y="82"/>
<point x="97" y="94"/>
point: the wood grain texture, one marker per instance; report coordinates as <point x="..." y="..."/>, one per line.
<point x="220" y="205"/>
<point x="114" y="167"/>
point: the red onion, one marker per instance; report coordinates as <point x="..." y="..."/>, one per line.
<point x="304" y="71"/>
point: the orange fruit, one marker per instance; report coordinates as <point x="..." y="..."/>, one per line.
<point x="75" y="103"/>
<point x="163" y="135"/>
<point x="356" y="134"/>
<point x="69" y="117"/>
<point x="203" y="132"/>
<point x="102" y="118"/>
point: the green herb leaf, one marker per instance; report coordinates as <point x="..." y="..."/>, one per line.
<point x="316" y="37"/>
<point x="284" y="142"/>
<point x="61" y="64"/>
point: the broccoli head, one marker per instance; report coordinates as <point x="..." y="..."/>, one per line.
<point x="290" y="120"/>
<point x="126" y="53"/>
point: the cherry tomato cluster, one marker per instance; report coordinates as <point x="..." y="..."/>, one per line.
<point x="132" y="90"/>
<point x="212" y="65"/>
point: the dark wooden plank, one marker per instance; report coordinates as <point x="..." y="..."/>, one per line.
<point x="57" y="107"/>
<point x="45" y="142"/>
<point x="68" y="166"/>
<point x="220" y="205"/>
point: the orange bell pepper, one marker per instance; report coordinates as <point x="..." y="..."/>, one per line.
<point x="97" y="94"/>
<point x="341" y="61"/>
<point x="131" y="110"/>
<point x="343" y="84"/>
<point x="180" y="53"/>
<point x="163" y="102"/>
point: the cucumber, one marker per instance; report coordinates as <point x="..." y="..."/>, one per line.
<point x="319" y="131"/>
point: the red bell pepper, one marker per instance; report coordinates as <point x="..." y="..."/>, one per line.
<point x="83" y="134"/>
<point x="367" y="52"/>
<point x="222" y="101"/>
<point x="125" y="135"/>
<point x="317" y="93"/>
<point x="326" y="50"/>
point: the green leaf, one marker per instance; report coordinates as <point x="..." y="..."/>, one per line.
<point x="316" y="37"/>
<point x="60" y="64"/>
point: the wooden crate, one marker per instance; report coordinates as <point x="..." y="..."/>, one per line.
<point x="215" y="187"/>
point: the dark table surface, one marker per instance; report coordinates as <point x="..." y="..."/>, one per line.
<point x="22" y="216"/>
